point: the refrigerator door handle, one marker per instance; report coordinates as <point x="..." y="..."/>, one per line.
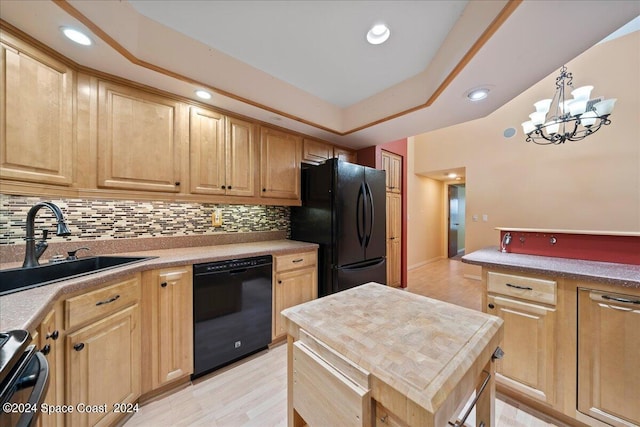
<point x="371" y="215"/>
<point x="360" y="214"/>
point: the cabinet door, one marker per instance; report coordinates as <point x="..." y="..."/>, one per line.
<point x="394" y="238"/>
<point x="292" y="288"/>
<point x="345" y="155"/>
<point x="48" y="335"/>
<point x="528" y="344"/>
<point x="280" y="157"/>
<point x="316" y="152"/>
<point x="138" y="140"/>
<point x="241" y="163"/>
<point x="103" y="367"/>
<point x="392" y="163"/>
<point x="170" y="330"/>
<point x="36" y="117"/>
<point x="609" y="357"/>
<point x="207" y="151"/>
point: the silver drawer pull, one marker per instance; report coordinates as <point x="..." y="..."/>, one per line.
<point x="526" y="288"/>
<point x="108" y="301"/>
<point x="298" y="260"/>
<point x="623" y="300"/>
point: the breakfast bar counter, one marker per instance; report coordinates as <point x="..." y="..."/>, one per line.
<point x="375" y="355"/>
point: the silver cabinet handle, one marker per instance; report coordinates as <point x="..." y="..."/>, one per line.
<point x="108" y="301"/>
<point x="526" y="288"/>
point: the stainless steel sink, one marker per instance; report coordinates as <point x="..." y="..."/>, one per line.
<point x="18" y="279"/>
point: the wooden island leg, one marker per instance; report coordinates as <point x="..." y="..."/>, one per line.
<point x="486" y="405"/>
<point x="293" y="418"/>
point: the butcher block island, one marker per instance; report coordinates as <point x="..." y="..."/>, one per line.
<point x="376" y="355"/>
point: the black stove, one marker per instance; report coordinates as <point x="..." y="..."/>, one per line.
<point x="24" y="377"/>
<point x="12" y="346"/>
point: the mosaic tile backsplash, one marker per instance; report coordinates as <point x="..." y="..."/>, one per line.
<point x="120" y="219"/>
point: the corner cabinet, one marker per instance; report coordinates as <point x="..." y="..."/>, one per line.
<point x="36" y="118"/>
<point x="527" y="306"/>
<point x="102" y="352"/>
<point x="609" y="356"/>
<point x="138" y="140"/>
<point x="223" y="154"/>
<point x="167" y="319"/>
<point x="295" y="280"/>
<point x="280" y="158"/>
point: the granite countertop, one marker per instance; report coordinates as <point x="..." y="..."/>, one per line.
<point x="624" y="275"/>
<point x="25" y="309"/>
<point x="418" y="347"/>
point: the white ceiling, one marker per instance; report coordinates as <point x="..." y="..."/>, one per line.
<point x="317" y="46"/>
<point x="265" y="60"/>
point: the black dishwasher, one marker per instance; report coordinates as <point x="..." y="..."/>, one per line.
<point x="231" y="311"/>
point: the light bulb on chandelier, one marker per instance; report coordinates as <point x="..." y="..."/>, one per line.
<point x="558" y="119"/>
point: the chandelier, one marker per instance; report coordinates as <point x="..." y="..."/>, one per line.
<point x="558" y="119"/>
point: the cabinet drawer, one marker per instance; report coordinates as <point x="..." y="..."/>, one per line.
<point x="100" y="303"/>
<point x="528" y="288"/>
<point x="321" y="392"/>
<point x="293" y="261"/>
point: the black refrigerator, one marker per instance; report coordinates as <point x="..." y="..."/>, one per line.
<point x="344" y="211"/>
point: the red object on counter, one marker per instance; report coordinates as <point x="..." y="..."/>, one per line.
<point x="593" y="247"/>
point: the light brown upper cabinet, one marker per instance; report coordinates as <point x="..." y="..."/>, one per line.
<point x="316" y="152"/>
<point x="392" y="163"/>
<point x="342" y="154"/>
<point x="280" y="157"/>
<point x="36" y="117"/>
<point x="138" y="140"/>
<point x="222" y="154"/>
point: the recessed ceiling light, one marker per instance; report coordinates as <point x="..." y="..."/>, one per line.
<point x="378" y="34"/>
<point x="203" y="94"/>
<point x="76" y="36"/>
<point x="478" y="94"/>
<point x="451" y="175"/>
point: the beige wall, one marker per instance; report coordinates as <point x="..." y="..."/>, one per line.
<point x="425" y="236"/>
<point x="593" y="184"/>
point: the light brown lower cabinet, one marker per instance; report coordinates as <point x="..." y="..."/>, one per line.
<point x="609" y="357"/>
<point x="47" y="340"/>
<point x="295" y="281"/>
<point x="102" y="353"/>
<point x="571" y="347"/>
<point x="529" y="347"/>
<point x="167" y="319"/>
<point x="103" y="368"/>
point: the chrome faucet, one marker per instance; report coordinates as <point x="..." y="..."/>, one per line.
<point x="32" y="254"/>
<point x="506" y="240"/>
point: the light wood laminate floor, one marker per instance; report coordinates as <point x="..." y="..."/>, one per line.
<point x="253" y="392"/>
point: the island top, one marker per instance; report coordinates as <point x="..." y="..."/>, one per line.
<point x="420" y="348"/>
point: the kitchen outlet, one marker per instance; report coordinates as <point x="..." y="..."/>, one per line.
<point x="475" y="218"/>
<point x="216" y="218"/>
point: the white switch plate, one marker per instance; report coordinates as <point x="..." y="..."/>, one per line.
<point x="475" y="218"/>
<point x="485" y="217"/>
